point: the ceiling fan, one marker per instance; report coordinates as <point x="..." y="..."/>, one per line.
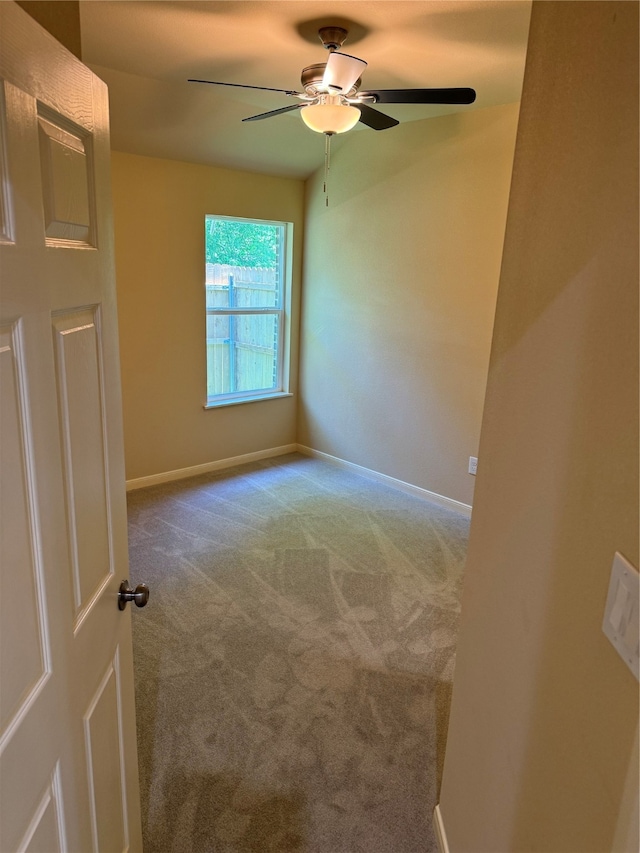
<point x="332" y="101"/>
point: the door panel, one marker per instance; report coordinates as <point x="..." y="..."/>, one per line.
<point x="20" y="615"/>
<point x="65" y="159"/>
<point x="103" y="731"/>
<point x="68" y="764"/>
<point x="45" y="833"/>
<point x="6" y="206"/>
<point x="81" y="405"/>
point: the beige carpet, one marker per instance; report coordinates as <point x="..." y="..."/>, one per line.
<point x="294" y="663"/>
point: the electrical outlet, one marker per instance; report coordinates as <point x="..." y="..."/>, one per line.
<point x="473" y="465"/>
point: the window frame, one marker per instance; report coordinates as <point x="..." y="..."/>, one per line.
<point x="282" y="312"/>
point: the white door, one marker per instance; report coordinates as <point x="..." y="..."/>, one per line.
<point x="68" y="766"/>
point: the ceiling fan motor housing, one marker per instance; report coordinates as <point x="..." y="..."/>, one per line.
<point x="312" y="77"/>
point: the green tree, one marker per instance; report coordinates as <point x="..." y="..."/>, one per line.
<point x="241" y="244"/>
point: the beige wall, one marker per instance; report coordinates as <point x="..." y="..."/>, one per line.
<point x="541" y="753"/>
<point x="400" y="280"/>
<point x="159" y="210"/>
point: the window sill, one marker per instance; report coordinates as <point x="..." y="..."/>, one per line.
<point x="240" y="400"/>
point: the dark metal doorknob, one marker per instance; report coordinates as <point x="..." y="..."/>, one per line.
<point x="139" y="595"/>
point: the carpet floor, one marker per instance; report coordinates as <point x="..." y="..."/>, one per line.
<point x="294" y="664"/>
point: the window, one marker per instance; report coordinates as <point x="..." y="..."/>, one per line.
<point x="247" y="297"/>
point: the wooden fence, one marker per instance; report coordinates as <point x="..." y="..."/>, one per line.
<point x="218" y="274"/>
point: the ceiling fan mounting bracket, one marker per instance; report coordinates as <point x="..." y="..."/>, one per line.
<point x="333" y="38"/>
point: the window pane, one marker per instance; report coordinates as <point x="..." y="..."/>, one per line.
<point x="217" y="367"/>
<point x="242" y="287"/>
<point x="217" y="328"/>
<point x="244" y="257"/>
<point x="241" y="243"/>
<point x="259" y="289"/>
<point x="242" y="356"/>
<point x="217" y="294"/>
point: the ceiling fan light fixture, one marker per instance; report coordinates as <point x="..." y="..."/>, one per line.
<point x="330" y="115"/>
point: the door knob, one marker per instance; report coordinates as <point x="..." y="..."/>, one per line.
<point x="139" y="595"/>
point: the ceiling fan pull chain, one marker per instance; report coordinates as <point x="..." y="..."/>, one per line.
<point x="327" y="166"/>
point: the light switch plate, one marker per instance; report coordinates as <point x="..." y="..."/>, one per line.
<point x="622" y="612"/>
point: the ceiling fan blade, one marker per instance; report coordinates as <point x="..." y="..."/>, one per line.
<point x="422" y="96"/>
<point x="374" y="118"/>
<point x="243" y="86"/>
<point x="341" y="72"/>
<point x="288" y="109"/>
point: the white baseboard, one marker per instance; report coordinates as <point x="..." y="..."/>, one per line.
<point x="449" y="503"/>
<point x="221" y="464"/>
<point x="441" y="835"/>
<point x="218" y="465"/>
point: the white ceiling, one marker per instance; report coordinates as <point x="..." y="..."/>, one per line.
<point x="145" y="50"/>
